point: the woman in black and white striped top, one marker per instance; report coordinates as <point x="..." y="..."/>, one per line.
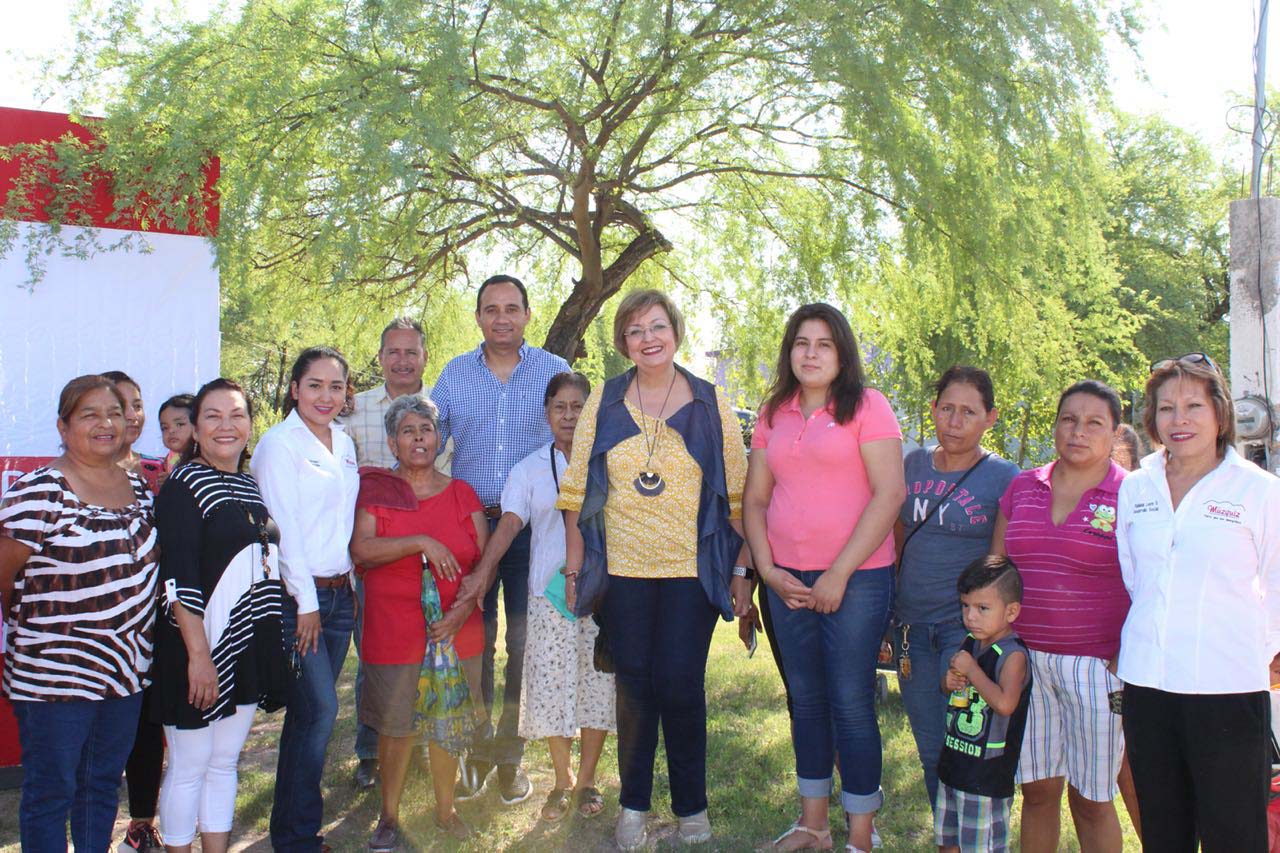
<point x="220" y="651"/>
<point x="78" y="579"/>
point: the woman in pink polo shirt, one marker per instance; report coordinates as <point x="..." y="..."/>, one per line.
<point x="824" y="485"/>
<point x="1058" y="525"/>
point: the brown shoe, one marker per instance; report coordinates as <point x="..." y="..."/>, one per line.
<point x="454" y="827"/>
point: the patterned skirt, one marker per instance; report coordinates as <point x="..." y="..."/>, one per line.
<point x="562" y="692"/>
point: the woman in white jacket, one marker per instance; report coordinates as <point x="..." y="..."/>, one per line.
<point x="306" y="470"/>
<point x="1199" y="540"/>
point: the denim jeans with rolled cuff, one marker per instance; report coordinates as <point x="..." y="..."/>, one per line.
<point x="830" y="659"/>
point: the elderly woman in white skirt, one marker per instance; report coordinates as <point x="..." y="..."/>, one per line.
<point x="563" y="693"/>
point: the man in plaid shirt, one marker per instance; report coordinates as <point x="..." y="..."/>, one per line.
<point x="402" y="357"/>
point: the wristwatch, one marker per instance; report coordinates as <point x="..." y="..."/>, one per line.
<point x="744" y="572"/>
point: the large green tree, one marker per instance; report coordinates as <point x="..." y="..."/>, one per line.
<point x="386" y="145"/>
<point x="1167" y="229"/>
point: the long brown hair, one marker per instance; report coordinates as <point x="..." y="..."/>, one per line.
<point x="846" y="389"/>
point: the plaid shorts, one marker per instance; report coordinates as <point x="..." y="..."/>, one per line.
<point x="973" y="823"/>
<point x="1071" y="730"/>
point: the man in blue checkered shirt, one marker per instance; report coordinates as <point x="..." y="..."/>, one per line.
<point x="490" y="402"/>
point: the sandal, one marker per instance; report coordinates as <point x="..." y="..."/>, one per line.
<point x="821" y="837"/>
<point x="556" y="806"/>
<point x="590" y="801"/>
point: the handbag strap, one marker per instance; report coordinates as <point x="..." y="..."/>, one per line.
<point x="944" y="499"/>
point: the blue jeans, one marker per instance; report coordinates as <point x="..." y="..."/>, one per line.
<point x="72" y="756"/>
<point x="932" y="645"/>
<point x="366" y="737"/>
<point x="830" y="659"/>
<point x="660" y="632"/>
<point x="505" y="746"/>
<point x="298" y="809"/>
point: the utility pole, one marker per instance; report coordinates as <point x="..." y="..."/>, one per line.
<point x="1259" y="99"/>
<point x="1255" y="286"/>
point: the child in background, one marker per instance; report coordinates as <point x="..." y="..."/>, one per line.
<point x="990" y="684"/>
<point x="175" y="428"/>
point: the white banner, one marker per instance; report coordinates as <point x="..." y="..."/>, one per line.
<point x="152" y="314"/>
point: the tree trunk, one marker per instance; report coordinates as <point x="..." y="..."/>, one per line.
<point x="564" y="338"/>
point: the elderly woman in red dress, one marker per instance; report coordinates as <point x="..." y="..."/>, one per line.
<point x="406" y="519"/>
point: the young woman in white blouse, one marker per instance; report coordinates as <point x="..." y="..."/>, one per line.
<point x="306" y="471"/>
<point x="1199" y="539"/>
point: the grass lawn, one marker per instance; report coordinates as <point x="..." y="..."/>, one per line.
<point x="750" y="780"/>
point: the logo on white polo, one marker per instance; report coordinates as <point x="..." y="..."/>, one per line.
<point x="1226" y="511"/>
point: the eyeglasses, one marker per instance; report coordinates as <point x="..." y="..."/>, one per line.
<point x="1189" y="358"/>
<point x="637" y="333"/>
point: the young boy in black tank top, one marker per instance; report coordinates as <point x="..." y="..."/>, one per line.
<point x="990" y="684"/>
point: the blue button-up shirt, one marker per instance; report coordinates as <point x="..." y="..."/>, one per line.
<point x="494" y="424"/>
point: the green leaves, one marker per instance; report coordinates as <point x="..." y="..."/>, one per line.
<point x="927" y="165"/>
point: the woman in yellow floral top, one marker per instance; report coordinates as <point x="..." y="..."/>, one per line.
<point x="653" y="537"/>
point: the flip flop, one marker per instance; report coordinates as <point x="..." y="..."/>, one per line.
<point x="821" y="837"/>
<point x="590" y="801"/>
<point x="556" y="805"/>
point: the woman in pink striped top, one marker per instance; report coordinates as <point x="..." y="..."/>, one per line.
<point x="1058" y="525"/>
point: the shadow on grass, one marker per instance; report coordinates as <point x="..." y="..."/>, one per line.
<point x="750" y="770"/>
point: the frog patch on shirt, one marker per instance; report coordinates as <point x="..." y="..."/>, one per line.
<point x="1104" y="517"/>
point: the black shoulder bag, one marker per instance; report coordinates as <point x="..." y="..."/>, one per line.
<point x="904" y="656"/>
<point x="941" y="501"/>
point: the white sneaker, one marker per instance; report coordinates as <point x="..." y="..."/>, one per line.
<point x="695" y="829"/>
<point x="632" y="831"/>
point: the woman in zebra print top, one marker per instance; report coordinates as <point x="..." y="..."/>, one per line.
<point x="78" y="580"/>
<point x="220" y="650"/>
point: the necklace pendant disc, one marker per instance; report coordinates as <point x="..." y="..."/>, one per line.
<point x="649" y="483"/>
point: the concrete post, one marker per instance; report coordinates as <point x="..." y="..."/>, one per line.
<point x="1255" y="306"/>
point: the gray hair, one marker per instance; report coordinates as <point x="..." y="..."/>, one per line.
<point x="409" y="404"/>
<point x="403" y="322"/>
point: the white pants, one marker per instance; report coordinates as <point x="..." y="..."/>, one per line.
<point x="200" y="782"/>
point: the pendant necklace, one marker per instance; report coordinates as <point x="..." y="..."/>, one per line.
<point x="264" y="539"/>
<point x="649" y="482"/>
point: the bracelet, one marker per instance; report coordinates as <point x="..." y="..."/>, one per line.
<point x="570" y="574"/>
<point x="744" y="572"/>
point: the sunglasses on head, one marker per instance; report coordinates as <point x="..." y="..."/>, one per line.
<point x="1189" y="358"/>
